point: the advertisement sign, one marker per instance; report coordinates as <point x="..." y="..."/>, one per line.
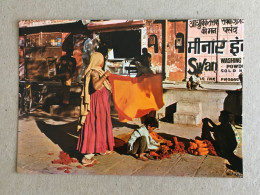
<point x="215" y="47"/>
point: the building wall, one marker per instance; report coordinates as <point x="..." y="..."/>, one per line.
<point x="215" y="47"/>
<point x="164" y="52"/>
<point x="156" y="28"/>
<point x="212" y="101"/>
<point x="175" y="68"/>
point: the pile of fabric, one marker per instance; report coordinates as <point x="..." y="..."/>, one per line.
<point x="201" y="147"/>
<point x="197" y="147"/>
<point x="179" y="147"/>
<point x="164" y="152"/>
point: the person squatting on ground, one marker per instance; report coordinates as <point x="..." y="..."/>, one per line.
<point x="224" y="139"/>
<point x="95" y="125"/>
<point x="141" y="142"/>
<point x="65" y="68"/>
<point x="194" y="81"/>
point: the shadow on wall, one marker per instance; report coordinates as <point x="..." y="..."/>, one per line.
<point x="169" y="111"/>
<point x="233" y="104"/>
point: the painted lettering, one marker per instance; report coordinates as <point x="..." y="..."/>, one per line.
<point x="215" y="46"/>
<point x="229" y="79"/>
<point x="234" y="46"/>
<point x="234" y="66"/>
<point x="193" y="66"/>
<point x="201" y="66"/>
<point x="230" y="60"/>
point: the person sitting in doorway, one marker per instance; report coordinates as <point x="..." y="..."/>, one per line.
<point x="144" y="67"/>
<point x="141" y="142"/>
<point x="143" y="64"/>
<point x="194" y="81"/>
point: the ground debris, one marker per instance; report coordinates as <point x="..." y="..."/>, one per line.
<point x="64" y="159"/>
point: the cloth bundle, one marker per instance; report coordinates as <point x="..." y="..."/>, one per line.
<point x="201" y="147"/>
<point x="164" y="151"/>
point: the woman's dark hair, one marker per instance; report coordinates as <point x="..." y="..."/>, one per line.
<point x="152" y="121"/>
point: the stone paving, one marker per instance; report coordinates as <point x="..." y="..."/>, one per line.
<point x="41" y="133"/>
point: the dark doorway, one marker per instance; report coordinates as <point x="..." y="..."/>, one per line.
<point x="126" y="44"/>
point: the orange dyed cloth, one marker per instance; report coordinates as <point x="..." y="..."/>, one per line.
<point x="179" y="147"/>
<point x="201" y="147"/>
<point x="156" y="137"/>
<point x="159" y="138"/>
<point x="135" y="97"/>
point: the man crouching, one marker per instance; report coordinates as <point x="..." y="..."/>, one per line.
<point x="194" y="81"/>
<point x="141" y="142"/>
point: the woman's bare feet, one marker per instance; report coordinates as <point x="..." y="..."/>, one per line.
<point x="142" y="157"/>
<point x="108" y="152"/>
<point x="87" y="162"/>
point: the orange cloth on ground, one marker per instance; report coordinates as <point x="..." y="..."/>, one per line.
<point x="135" y="97"/>
<point x="201" y="147"/>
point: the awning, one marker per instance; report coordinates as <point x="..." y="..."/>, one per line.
<point x="115" y="25"/>
<point x="36" y="26"/>
<point x="35" y="23"/>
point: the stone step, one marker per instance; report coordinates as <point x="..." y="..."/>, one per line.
<point x="66" y="111"/>
<point x="187" y="118"/>
<point x="189" y="106"/>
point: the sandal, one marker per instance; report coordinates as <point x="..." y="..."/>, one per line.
<point x="89" y="162"/>
<point x="108" y="152"/>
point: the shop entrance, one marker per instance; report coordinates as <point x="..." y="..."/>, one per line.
<point x="125" y="44"/>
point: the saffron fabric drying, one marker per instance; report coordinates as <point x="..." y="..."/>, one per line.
<point x="135" y="97"/>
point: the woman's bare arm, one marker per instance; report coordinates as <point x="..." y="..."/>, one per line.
<point x="98" y="82"/>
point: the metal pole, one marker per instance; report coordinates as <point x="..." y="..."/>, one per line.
<point x="186" y="50"/>
<point x="165" y="50"/>
<point x="217" y="54"/>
